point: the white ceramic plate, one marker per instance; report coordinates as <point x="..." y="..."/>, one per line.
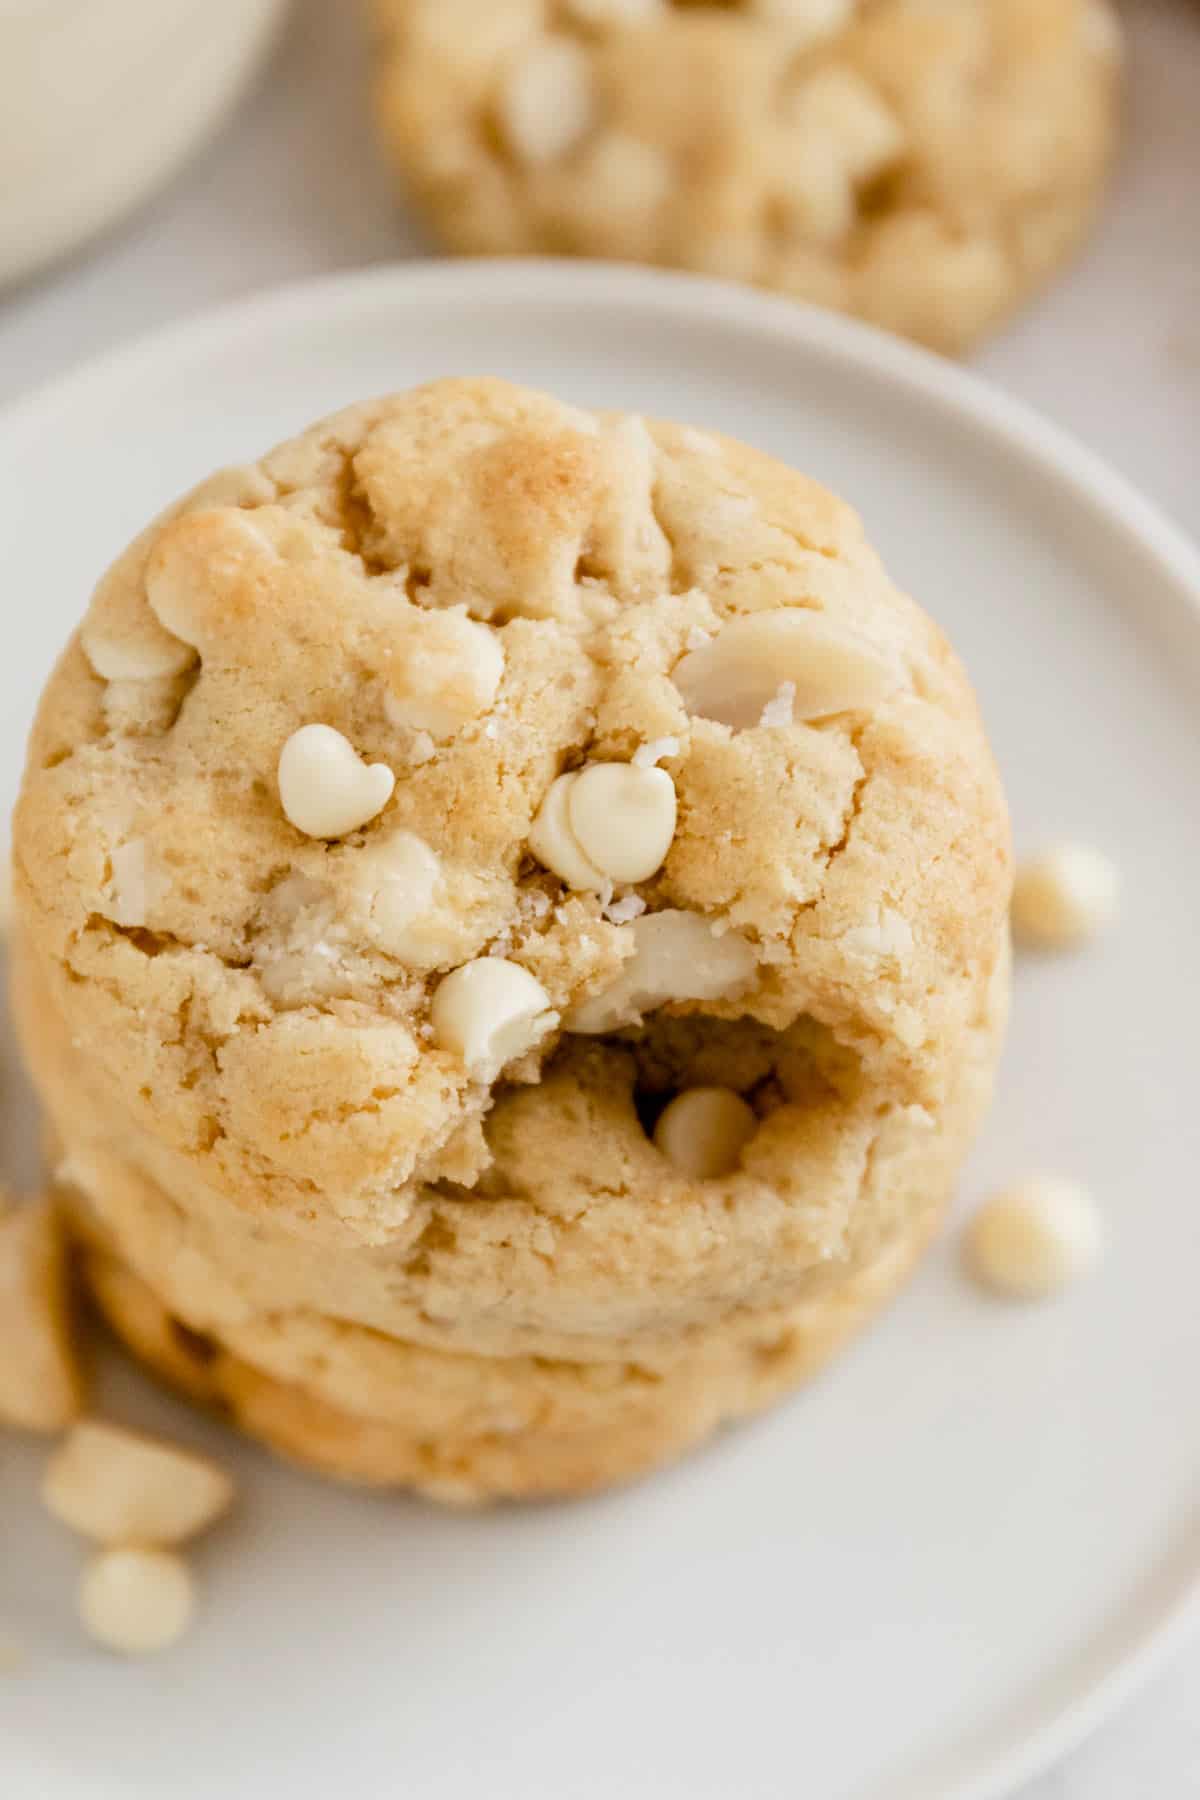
<point x="924" y="1577"/>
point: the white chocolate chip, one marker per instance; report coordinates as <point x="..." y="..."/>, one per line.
<point x="627" y="179"/>
<point x="615" y="12"/>
<point x="704" y="1131"/>
<point x="623" y="818"/>
<point x="676" y="956"/>
<point x="835" y="106"/>
<point x="553" y="842"/>
<point x="325" y="789"/>
<point x="40" y="1385"/>
<point x="547" y="104"/>
<point x="447" y="672"/>
<point x="816" y="190"/>
<point x="488" y="1012"/>
<point x="120" y="1487"/>
<point x="1033" y="1240"/>
<point x="137" y="649"/>
<point x="646" y="756"/>
<point x="131" y="883"/>
<point x="400" y="883"/>
<point x="1064" y="897"/>
<point x="136" y="1601"/>
<point x="736" y="676"/>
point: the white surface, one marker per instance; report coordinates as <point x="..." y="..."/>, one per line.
<point x="100" y="102"/>
<point x="922" y="1577"/>
<point x="1113" y="351"/>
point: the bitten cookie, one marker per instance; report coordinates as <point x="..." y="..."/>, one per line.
<point x="497" y="882"/>
<point x="922" y="163"/>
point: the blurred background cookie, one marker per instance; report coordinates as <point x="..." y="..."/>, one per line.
<point x="922" y="164"/>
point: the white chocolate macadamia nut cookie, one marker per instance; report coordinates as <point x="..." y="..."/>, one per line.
<point x="572" y="994"/>
<point x="924" y="165"/>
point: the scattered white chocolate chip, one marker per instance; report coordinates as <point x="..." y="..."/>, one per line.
<point x="447" y="672"/>
<point x="547" y="104"/>
<point x="1033" y="1240"/>
<point x="1064" y="897"/>
<point x="704" y="1131"/>
<point x="40" y="1382"/>
<point x="615" y="12"/>
<point x="136" y="1601"/>
<point x="676" y="956"/>
<point x="646" y="756"/>
<point x="488" y="1012"/>
<point x="700" y="443"/>
<point x="623" y="818"/>
<point x="553" y="842"/>
<point x="780" y="709"/>
<point x="120" y="1487"/>
<point x="325" y="788"/>
<point x="135" y="649"/>
<point x="739" y="673"/>
<point x="837" y="107"/>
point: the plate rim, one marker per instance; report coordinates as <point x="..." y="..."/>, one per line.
<point x="918" y="376"/>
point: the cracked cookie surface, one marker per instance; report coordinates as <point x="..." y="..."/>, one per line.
<point x="257" y="1007"/>
<point x="921" y="163"/>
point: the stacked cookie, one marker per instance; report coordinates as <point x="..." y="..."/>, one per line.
<point x="924" y="164"/>
<point x="513" y="938"/>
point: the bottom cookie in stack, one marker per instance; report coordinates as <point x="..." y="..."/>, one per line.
<point x="602" y="1423"/>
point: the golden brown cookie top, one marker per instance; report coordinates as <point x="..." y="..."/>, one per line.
<point x="467" y="718"/>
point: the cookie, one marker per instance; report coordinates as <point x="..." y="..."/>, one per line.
<point x="501" y="885"/>
<point x="923" y="164"/>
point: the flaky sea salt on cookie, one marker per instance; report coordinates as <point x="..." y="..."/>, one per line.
<point x="461" y="726"/>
